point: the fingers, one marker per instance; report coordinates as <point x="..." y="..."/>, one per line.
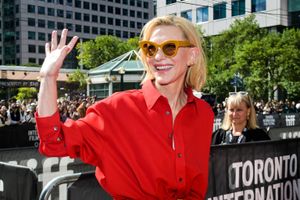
<point x="72" y="43"/>
<point x="47" y="48"/>
<point x="53" y="40"/>
<point x="63" y="38"/>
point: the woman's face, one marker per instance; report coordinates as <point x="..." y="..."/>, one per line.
<point x="238" y="113"/>
<point x="169" y="70"/>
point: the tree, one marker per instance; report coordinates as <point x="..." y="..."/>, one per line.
<point x="222" y="64"/>
<point x="26" y="93"/>
<point x="104" y="48"/>
<point x="78" y="77"/>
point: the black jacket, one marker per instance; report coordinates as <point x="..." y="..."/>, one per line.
<point x="221" y="136"/>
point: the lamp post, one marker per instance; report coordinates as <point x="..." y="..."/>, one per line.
<point x="121" y="71"/>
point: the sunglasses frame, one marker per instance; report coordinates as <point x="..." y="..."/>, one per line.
<point x="177" y="44"/>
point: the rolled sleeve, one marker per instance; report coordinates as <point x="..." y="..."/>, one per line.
<point x="50" y="135"/>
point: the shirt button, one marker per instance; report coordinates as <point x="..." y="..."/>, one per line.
<point x="168" y="113"/>
<point x="179" y="155"/>
<point x="58" y="139"/>
<point x="55" y="128"/>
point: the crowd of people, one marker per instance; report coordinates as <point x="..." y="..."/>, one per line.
<point x="14" y="111"/>
<point x="266" y="108"/>
<point x="17" y="112"/>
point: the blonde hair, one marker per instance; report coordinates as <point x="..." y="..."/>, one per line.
<point x="236" y="100"/>
<point x="196" y="74"/>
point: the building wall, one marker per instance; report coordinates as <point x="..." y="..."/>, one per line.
<point x="276" y="13"/>
<point x="92" y="16"/>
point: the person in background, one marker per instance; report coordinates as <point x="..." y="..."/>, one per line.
<point x="239" y="123"/>
<point x="151" y="143"/>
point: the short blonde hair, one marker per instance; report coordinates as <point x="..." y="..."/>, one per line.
<point x="236" y="100"/>
<point x="196" y="74"/>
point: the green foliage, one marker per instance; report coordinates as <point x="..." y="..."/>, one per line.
<point x="31" y="65"/>
<point x="265" y="61"/>
<point x="26" y="93"/>
<point x="104" y="48"/>
<point x="78" y="77"/>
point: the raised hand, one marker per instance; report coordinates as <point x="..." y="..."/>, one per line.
<point x="56" y="53"/>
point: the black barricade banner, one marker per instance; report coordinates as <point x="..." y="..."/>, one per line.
<point x="17" y="182"/>
<point x="251" y="171"/>
<point x="290" y="120"/>
<point x="46" y="168"/>
<point x="272" y="121"/>
<point x="18" y="135"/>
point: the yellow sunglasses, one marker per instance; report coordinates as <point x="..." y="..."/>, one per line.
<point x="169" y="48"/>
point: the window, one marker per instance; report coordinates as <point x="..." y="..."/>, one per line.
<point x="258" y="5"/>
<point x="31" y="60"/>
<point x="51" y="24"/>
<point x="139" y="3"/>
<point x="102" y="31"/>
<point x="238" y="7"/>
<point x="117" y="22"/>
<point x="139" y="14"/>
<point x="118" y="1"/>
<point x="69" y="14"/>
<point x="31" y="48"/>
<point x="125" y="12"/>
<point x="125" y="34"/>
<point x="30" y="8"/>
<point x="110" y="32"/>
<point x="61" y="2"/>
<point x="132" y="34"/>
<point x="95" y="18"/>
<point x="86" y="17"/>
<point x="102" y="8"/>
<point x="125" y="2"/>
<point x="95" y="6"/>
<point x="77" y="16"/>
<point x="41" y="23"/>
<point x="51" y="11"/>
<point x="125" y="23"/>
<point x="110" y="9"/>
<point x="118" y="33"/>
<point x="132" y="2"/>
<point x="170" y="1"/>
<point x="202" y="14"/>
<point x="41" y="36"/>
<point x="86" y="29"/>
<point x="117" y="11"/>
<point x="132" y="13"/>
<point x="31" y="35"/>
<point x="59" y="13"/>
<point x="110" y="21"/>
<point x="78" y="28"/>
<point x="187" y="14"/>
<point x="139" y="25"/>
<point x="146" y="4"/>
<point x="41" y="10"/>
<point x="86" y="5"/>
<point x="132" y="24"/>
<point x="95" y="30"/>
<point x="146" y="16"/>
<point x="41" y="49"/>
<point x="69" y="2"/>
<point x="77" y="3"/>
<point x="60" y="25"/>
<point x="69" y="26"/>
<point x="102" y="20"/>
<point x="220" y="11"/>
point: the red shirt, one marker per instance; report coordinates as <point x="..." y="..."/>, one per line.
<point x="138" y="150"/>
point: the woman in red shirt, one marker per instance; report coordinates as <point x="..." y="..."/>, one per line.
<point x="151" y="143"/>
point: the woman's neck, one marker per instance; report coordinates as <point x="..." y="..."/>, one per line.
<point x="237" y="129"/>
<point x="176" y="96"/>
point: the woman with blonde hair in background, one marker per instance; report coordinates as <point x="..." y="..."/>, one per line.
<point x="239" y="123"/>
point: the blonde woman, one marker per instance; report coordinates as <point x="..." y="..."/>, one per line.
<point x="151" y="143"/>
<point x="239" y="123"/>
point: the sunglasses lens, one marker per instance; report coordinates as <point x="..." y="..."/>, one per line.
<point x="151" y="50"/>
<point x="169" y="49"/>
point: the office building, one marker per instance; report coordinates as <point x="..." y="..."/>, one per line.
<point x="25" y="25"/>
<point x="215" y="16"/>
